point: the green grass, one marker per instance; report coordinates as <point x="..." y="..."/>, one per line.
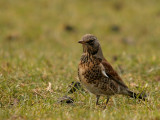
<point x="35" y="49"/>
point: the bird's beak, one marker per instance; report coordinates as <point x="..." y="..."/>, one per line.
<point x="81" y="42"/>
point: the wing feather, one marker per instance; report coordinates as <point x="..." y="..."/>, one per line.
<point x="108" y="71"/>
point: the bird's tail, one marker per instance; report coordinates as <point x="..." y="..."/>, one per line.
<point x="135" y="95"/>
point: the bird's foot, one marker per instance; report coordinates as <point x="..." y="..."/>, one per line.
<point x="97" y="104"/>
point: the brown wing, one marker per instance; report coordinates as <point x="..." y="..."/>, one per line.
<point x="111" y="73"/>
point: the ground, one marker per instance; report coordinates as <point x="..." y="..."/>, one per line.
<point x="38" y="47"/>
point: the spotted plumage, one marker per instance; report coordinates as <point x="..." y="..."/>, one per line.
<point x="96" y="74"/>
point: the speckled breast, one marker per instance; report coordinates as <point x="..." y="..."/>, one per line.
<point x="88" y="71"/>
<point x="91" y="77"/>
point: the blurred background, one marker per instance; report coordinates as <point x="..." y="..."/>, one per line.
<point x="32" y="32"/>
<point x="38" y="43"/>
<point x="61" y="23"/>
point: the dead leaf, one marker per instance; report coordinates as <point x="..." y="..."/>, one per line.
<point x="133" y="85"/>
<point x="49" y="87"/>
<point x="65" y="99"/>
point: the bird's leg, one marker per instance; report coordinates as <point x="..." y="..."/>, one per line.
<point x="97" y="96"/>
<point x="107" y="100"/>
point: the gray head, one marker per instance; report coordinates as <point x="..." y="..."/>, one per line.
<point x="91" y="45"/>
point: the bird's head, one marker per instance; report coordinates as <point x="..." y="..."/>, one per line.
<point x="90" y="44"/>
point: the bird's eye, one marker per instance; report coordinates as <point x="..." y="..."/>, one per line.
<point x="90" y="42"/>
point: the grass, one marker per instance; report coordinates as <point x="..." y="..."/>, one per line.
<point x="38" y="45"/>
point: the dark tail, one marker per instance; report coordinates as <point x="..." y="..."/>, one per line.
<point x="135" y="95"/>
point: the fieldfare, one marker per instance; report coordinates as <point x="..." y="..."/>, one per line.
<point x="97" y="75"/>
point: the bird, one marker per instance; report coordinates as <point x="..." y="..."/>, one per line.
<point x="97" y="75"/>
